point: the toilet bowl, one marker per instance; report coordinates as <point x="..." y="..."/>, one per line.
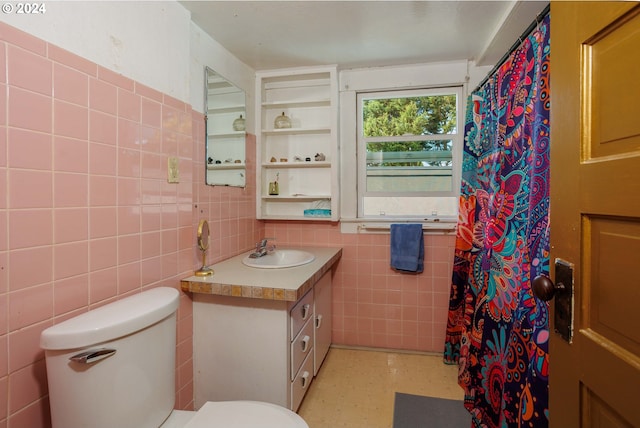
<point x="114" y="366"/>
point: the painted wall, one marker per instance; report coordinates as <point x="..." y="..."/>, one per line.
<point x="207" y="52"/>
<point x="144" y="40"/>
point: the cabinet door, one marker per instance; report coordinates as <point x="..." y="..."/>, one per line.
<point x="322" y="337"/>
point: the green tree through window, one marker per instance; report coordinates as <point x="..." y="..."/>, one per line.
<point x="410" y="116"/>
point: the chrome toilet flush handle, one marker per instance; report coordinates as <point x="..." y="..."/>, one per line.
<point x="92" y="355"/>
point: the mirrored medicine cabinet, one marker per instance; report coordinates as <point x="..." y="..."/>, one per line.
<point x="225" y="113"/>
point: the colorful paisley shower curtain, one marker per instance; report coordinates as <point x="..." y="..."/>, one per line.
<point x="497" y="331"/>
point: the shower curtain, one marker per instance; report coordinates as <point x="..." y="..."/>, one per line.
<point x="497" y="331"/>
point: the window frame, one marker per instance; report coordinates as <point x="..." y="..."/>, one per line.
<point x="456" y="155"/>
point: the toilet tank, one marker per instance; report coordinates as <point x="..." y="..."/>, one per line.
<point x="114" y="366"/>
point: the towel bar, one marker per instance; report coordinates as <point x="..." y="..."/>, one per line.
<point x="445" y="227"/>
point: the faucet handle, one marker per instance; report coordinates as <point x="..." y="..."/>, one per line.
<point x="263" y="242"/>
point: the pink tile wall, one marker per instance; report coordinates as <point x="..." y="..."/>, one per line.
<point x="87" y="217"/>
<point x="86" y="213"/>
<point x="374" y="306"/>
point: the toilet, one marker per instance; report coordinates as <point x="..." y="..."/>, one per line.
<point x="114" y="367"/>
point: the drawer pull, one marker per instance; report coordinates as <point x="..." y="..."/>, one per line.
<point x="304" y="378"/>
<point x="92" y="355"/>
<point x="305" y="343"/>
<point x="318" y="321"/>
<point x="305" y="311"/>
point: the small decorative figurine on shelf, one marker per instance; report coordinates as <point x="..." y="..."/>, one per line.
<point x="319" y="157"/>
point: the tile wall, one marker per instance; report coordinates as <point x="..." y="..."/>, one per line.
<point x="86" y="213"/>
<point x="373" y="305"/>
<point x="87" y="217"/>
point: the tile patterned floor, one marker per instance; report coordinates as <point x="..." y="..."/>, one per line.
<point x="355" y="388"/>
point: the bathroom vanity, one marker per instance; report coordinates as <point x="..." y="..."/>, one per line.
<point x="261" y="334"/>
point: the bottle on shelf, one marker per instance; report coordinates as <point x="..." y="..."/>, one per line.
<point x="239" y="124"/>
<point x="282" y="122"/>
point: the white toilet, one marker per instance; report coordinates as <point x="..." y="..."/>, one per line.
<point x="115" y="367"/>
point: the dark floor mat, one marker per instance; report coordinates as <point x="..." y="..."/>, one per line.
<point x="416" y="411"/>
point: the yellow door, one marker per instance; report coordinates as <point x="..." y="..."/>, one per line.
<point x="595" y="211"/>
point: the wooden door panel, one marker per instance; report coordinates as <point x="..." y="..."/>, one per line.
<point x="609" y="187"/>
<point x="595" y="211"/>
<point x="611" y="373"/>
<point x="599" y="414"/>
<point x="611" y="80"/>
<point x="613" y="303"/>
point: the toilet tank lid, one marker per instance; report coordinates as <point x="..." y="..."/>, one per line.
<point x="112" y="321"/>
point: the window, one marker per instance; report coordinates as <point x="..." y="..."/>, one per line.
<point x="409" y="149"/>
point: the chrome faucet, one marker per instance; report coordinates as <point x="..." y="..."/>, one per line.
<point x="262" y="248"/>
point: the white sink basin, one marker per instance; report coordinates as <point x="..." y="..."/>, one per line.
<point x="280" y="259"/>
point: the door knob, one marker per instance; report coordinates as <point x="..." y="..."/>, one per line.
<point x="544" y="289"/>
<point x="562" y="294"/>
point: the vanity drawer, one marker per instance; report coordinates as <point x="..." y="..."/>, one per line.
<point x="301" y="383"/>
<point x="301" y="312"/>
<point x="301" y="346"/>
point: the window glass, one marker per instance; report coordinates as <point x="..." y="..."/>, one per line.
<point x="408" y="147"/>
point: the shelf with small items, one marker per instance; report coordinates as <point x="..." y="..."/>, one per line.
<point x="297" y="144"/>
<point x="296" y="197"/>
<point x="222" y="166"/>
<point x="297" y="164"/>
<point x="227" y="109"/>
<point x="295" y="217"/>
<point x="289" y="209"/>
<point x="294" y="131"/>
<point x="232" y="134"/>
<point x="286" y="104"/>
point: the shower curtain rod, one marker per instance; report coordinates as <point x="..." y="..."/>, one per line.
<point x="517" y="43"/>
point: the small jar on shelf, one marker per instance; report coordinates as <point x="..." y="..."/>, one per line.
<point x="282" y="122"/>
<point x="239" y="124"/>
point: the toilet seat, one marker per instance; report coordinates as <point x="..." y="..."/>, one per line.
<point x="244" y="414"/>
<point x="178" y="419"/>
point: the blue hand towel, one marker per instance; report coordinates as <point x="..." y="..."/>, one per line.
<point x="407" y="247"/>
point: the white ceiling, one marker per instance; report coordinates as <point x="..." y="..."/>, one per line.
<point x="352" y="34"/>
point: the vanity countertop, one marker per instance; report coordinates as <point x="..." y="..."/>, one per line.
<point x="232" y="278"/>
